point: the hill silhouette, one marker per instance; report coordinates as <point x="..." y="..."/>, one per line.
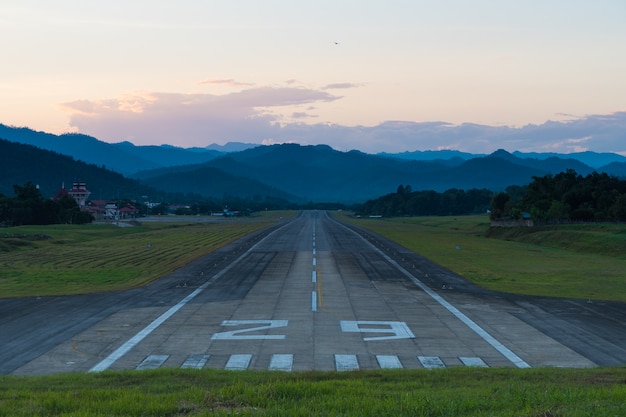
<point x="20" y="164"/>
<point x="289" y="171"/>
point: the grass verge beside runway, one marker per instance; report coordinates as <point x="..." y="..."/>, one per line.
<point x="76" y="259"/>
<point x="572" y="261"/>
<point x="454" y="392"/>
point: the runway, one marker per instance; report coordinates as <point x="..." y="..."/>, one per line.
<point x="307" y="294"/>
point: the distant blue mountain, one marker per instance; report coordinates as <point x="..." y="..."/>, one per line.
<point x="308" y="173"/>
<point x="593" y="159"/>
<point x="231" y="147"/>
<point x="167" y="155"/>
<point x="589" y="158"/>
<point x="123" y="157"/>
<point x="444" y="154"/>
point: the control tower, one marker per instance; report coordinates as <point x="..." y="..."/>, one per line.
<point x="80" y="193"/>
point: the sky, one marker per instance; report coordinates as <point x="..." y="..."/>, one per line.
<point x="377" y="76"/>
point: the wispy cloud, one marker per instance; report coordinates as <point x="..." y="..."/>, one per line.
<point x="302" y="115"/>
<point x="599" y="133"/>
<point x="228" y="82"/>
<point x="337" y="86"/>
<point x="188" y="119"/>
<point x="253" y="114"/>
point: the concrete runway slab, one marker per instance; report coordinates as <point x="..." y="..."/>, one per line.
<point x="308" y="294"/>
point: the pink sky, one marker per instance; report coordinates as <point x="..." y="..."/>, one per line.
<point x="193" y="73"/>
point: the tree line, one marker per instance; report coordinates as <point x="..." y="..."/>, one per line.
<point x="567" y="196"/>
<point x="30" y="207"/>
<point x="406" y="202"/>
<point x="564" y="197"/>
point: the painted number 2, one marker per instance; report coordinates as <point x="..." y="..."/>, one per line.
<point x="236" y="334"/>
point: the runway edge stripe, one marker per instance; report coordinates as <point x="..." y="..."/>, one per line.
<point x="137" y="338"/>
<point x="506" y="352"/>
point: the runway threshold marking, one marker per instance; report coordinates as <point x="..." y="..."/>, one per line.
<point x="497" y="345"/>
<point x="346" y="362"/>
<point x="238" y="362"/>
<point x="388" y="362"/>
<point x="285" y="362"/>
<point x="104" y="364"/>
<point x="152" y="362"/>
<point x="281" y="362"/>
<point x="195" y="361"/>
<point x="431" y="362"/>
<point x="473" y="362"/>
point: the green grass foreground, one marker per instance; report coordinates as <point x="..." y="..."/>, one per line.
<point x="454" y="392"/>
<point x="77" y="259"/>
<point x="585" y="261"/>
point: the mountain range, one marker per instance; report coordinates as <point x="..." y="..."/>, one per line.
<point x="289" y="171"/>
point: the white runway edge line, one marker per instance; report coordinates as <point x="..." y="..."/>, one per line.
<point x="506" y="352"/>
<point x="136" y="339"/>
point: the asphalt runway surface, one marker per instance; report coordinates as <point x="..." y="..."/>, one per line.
<point x="307" y="294"/>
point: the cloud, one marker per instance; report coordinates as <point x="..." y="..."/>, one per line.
<point x="228" y="82"/>
<point x="337" y="86"/>
<point x="252" y="115"/>
<point x="302" y="115"/>
<point x="188" y="119"/>
<point x="599" y="133"/>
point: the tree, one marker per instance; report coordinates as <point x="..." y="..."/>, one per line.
<point x="27" y="192"/>
<point x="499" y="205"/>
<point x="29" y="207"/>
<point x="25" y="208"/>
<point x="618" y="210"/>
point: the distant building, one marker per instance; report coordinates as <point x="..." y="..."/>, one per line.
<point x="128" y="211"/>
<point x="110" y="210"/>
<point x="61" y="193"/>
<point x="80" y="193"/>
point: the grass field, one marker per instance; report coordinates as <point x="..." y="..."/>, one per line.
<point x="455" y="392"/>
<point x="70" y="259"/>
<point x="577" y="261"/>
